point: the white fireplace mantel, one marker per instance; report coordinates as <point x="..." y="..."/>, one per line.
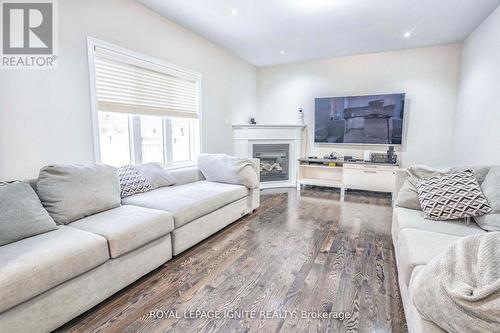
<point x="245" y="136"/>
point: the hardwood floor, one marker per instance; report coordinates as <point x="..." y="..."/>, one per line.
<point x="295" y="253"/>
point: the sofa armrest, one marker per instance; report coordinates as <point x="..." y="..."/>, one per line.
<point x="256" y="166"/>
<point x="254" y="195"/>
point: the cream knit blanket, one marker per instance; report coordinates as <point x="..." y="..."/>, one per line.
<point x="460" y="290"/>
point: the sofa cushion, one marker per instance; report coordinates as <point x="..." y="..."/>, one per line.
<point x="408" y="196"/>
<point x="223" y="168"/>
<point x="455" y="195"/>
<point x="131" y="181"/>
<point x="405" y="218"/>
<point x="70" y="192"/>
<point x="21" y="213"/>
<point x="189" y="201"/>
<point x="127" y="228"/>
<point x="186" y="175"/>
<point x="36" y="264"/>
<point x="156" y="175"/>
<point x="418" y="247"/>
<point x="491" y="189"/>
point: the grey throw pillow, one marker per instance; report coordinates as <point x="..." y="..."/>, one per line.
<point x="408" y="196"/>
<point x="491" y="189"/>
<point x="455" y="195"/>
<point x="21" y="213"/>
<point x="71" y="192"/>
<point x="156" y="175"/>
<point x="132" y="182"/>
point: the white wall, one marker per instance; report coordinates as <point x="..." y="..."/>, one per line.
<point x="477" y="131"/>
<point x="45" y="114"/>
<point x="428" y="76"/>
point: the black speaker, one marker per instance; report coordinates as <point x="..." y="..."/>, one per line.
<point x="391" y="157"/>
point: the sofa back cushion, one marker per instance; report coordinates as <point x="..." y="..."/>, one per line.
<point x="491" y="189"/>
<point x="223" y="168"/>
<point x="71" y="192"/>
<point x="186" y="175"/>
<point x="21" y="213"/>
<point x="156" y="175"/>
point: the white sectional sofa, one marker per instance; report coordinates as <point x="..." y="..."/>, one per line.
<point x="417" y="241"/>
<point x="48" y="279"/>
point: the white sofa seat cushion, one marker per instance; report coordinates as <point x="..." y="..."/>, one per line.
<point x="127" y="228"/>
<point x="405" y="218"/>
<point x="418" y="247"/>
<point x="189" y="201"/>
<point x="36" y="264"/>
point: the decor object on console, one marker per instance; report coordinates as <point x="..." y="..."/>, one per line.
<point x="278" y="147"/>
<point x="454" y="195"/>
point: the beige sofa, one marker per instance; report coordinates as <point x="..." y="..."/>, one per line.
<point x="49" y="279"/>
<point x="416" y="241"/>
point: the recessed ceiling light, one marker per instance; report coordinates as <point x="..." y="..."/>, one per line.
<point x="282" y="52"/>
<point x="234" y="11"/>
<point x="407" y="34"/>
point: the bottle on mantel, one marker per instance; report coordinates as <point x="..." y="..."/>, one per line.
<point x="301" y="117"/>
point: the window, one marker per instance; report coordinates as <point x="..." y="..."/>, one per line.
<point x="145" y="111"/>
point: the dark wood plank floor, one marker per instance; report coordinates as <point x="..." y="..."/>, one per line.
<point x="295" y="253"/>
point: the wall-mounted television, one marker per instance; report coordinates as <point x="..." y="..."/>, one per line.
<point x="371" y="119"/>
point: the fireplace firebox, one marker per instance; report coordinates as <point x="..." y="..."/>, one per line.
<point x="274" y="161"/>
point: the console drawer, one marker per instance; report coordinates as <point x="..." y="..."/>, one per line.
<point x="369" y="178"/>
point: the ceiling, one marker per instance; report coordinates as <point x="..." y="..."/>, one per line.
<point x="269" y="32"/>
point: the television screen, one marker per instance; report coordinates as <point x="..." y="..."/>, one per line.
<point x="374" y="119"/>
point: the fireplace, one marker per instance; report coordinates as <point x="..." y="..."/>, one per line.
<point x="280" y="144"/>
<point x="274" y="161"/>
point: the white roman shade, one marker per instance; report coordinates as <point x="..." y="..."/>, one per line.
<point x="127" y="84"/>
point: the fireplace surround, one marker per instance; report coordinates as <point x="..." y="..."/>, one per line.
<point x="277" y="146"/>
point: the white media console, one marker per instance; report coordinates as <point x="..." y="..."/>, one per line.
<point x="366" y="176"/>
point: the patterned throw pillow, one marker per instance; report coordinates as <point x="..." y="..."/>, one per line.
<point x="454" y="195"/>
<point x="132" y="182"/>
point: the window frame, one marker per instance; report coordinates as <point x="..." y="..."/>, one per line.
<point x="155" y="64"/>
